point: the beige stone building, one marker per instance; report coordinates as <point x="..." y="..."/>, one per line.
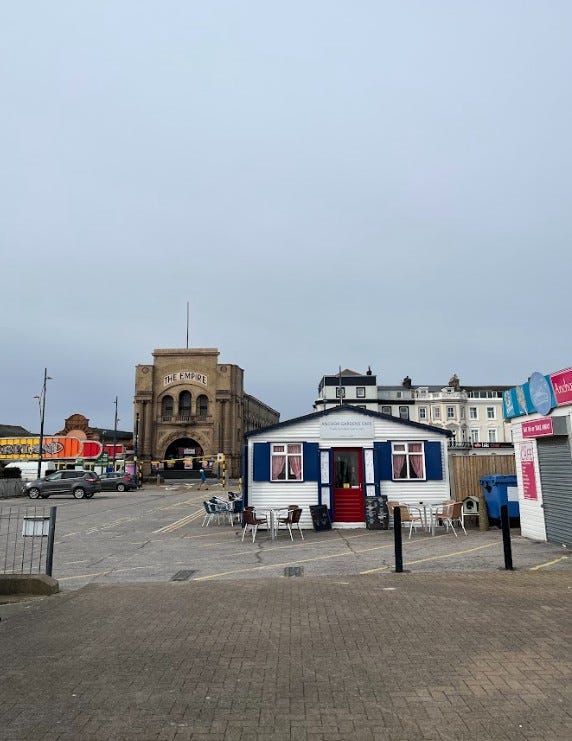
<point x="189" y="408"/>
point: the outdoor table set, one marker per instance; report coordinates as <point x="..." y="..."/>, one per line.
<point x="427" y="515"/>
<point x="272" y="518"/>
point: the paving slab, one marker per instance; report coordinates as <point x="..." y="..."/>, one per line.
<point x="379" y="656"/>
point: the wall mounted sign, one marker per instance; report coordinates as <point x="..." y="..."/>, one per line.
<point x="538" y="427"/>
<point x="185" y="376"/>
<point x="540" y="393"/>
<point x="562" y="385"/>
<point x="26" y="448"/>
<point x="528" y="471"/>
<point x="346" y="427"/>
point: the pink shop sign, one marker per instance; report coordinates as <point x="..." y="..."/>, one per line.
<point x="562" y="385"/>
<point x="538" y="427"/>
<point x="527" y="471"/>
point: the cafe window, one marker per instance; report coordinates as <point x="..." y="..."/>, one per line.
<point x="408" y="461"/>
<point x="286" y="462"/>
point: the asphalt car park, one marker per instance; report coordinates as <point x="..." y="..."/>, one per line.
<point x="156" y="533"/>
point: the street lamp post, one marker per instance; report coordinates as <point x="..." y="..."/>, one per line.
<point x="135" y="450"/>
<point x="42" y="402"/>
<point x="115" y="434"/>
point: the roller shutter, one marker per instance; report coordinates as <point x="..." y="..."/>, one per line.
<point x="555" y="463"/>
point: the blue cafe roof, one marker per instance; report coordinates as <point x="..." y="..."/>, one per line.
<point x="348" y="409"/>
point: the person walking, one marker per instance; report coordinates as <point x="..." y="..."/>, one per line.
<point x="203" y="479"/>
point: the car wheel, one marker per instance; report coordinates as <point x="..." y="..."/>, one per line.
<point x="120" y="487"/>
<point x="79" y="493"/>
<point x="34" y="492"/>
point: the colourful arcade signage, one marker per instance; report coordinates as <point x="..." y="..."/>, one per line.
<point x="53" y="448"/>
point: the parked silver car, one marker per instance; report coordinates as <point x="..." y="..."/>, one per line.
<point x="82" y="484"/>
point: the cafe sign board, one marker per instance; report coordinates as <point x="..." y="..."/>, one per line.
<point x="346" y="426"/>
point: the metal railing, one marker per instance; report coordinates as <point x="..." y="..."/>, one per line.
<point x="27" y="540"/>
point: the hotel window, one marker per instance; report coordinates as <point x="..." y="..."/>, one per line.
<point x="474" y="435"/>
<point x="386" y="410"/>
<point x="462" y="412"/>
<point x="450" y="412"/>
<point x="404" y="412"/>
<point x="408" y="461"/>
<point x="436" y="412"/>
<point x="340" y="391"/>
<point x="286" y="462"/>
<point x="492" y="436"/>
<point x="491" y="413"/>
<point x="473" y="413"/>
<point x="422" y="412"/>
<point x="360" y="392"/>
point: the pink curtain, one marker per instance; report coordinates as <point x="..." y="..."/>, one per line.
<point x="398" y="461"/>
<point x="416" y="461"/>
<point x="295" y="462"/>
<point x="278" y="463"/>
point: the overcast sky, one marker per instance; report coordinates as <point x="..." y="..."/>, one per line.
<point x="326" y="183"/>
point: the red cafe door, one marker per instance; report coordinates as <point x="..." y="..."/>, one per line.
<point x="349" y="500"/>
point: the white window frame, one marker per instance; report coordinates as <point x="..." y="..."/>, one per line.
<point x="436" y="412"/>
<point x="422" y="412"/>
<point x="451" y="413"/>
<point x="283" y="450"/>
<point x="473" y="412"/>
<point x="403" y="448"/>
<point x="492" y="433"/>
<point x="491" y="413"/>
<point x="360" y="392"/>
<point x="475" y="435"/>
<point x="340" y="392"/>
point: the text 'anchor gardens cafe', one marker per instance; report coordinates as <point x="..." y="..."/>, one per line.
<point x="540" y="411"/>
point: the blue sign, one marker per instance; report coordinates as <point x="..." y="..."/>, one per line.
<point x="540" y="393"/>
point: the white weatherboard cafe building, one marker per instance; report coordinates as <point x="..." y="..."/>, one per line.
<point x="340" y="456"/>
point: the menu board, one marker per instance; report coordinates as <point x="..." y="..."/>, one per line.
<point x="376" y="513"/>
<point x="320" y="517"/>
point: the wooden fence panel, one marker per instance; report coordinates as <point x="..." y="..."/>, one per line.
<point x="466" y="472"/>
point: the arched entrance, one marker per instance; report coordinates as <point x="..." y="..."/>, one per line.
<point x="182" y="457"/>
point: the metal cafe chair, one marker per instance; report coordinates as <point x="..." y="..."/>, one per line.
<point x="292" y="519"/>
<point x="252" y="521"/>
<point x="412" y="517"/>
<point x="452" y="514"/>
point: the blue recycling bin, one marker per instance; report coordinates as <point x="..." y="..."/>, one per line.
<point x="501" y="489"/>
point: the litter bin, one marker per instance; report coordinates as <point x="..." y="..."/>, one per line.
<point x="498" y="490"/>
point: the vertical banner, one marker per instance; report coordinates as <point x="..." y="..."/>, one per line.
<point x="528" y="472"/>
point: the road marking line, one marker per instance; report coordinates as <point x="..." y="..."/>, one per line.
<point x="178" y="523"/>
<point x="434" y="558"/>
<point x="548" y="563"/>
<point x="102" y="573"/>
<point x="285" y="563"/>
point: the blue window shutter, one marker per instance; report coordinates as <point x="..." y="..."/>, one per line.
<point x="433" y="462"/>
<point x="261" y="462"/>
<point x="382" y="461"/>
<point x="311" y="455"/>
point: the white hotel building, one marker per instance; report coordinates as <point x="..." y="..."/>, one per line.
<point x="473" y="414"/>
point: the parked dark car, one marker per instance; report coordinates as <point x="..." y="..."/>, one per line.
<point x="82" y="484"/>
<point x="117" y="482"/>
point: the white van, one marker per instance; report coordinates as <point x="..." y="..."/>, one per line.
<point x="30" y="468"/>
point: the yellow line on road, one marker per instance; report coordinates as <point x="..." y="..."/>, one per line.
<point x="178" y="523"/>
<point x="287" y="563"/>
<point x="435" y="558"/>
<point x="548" y="563"/>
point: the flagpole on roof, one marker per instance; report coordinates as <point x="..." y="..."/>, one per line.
<point x="187" y="325"/>
<point x="340" y="384"/>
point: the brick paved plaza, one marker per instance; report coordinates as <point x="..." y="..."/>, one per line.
<point x="382" y="656"/>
